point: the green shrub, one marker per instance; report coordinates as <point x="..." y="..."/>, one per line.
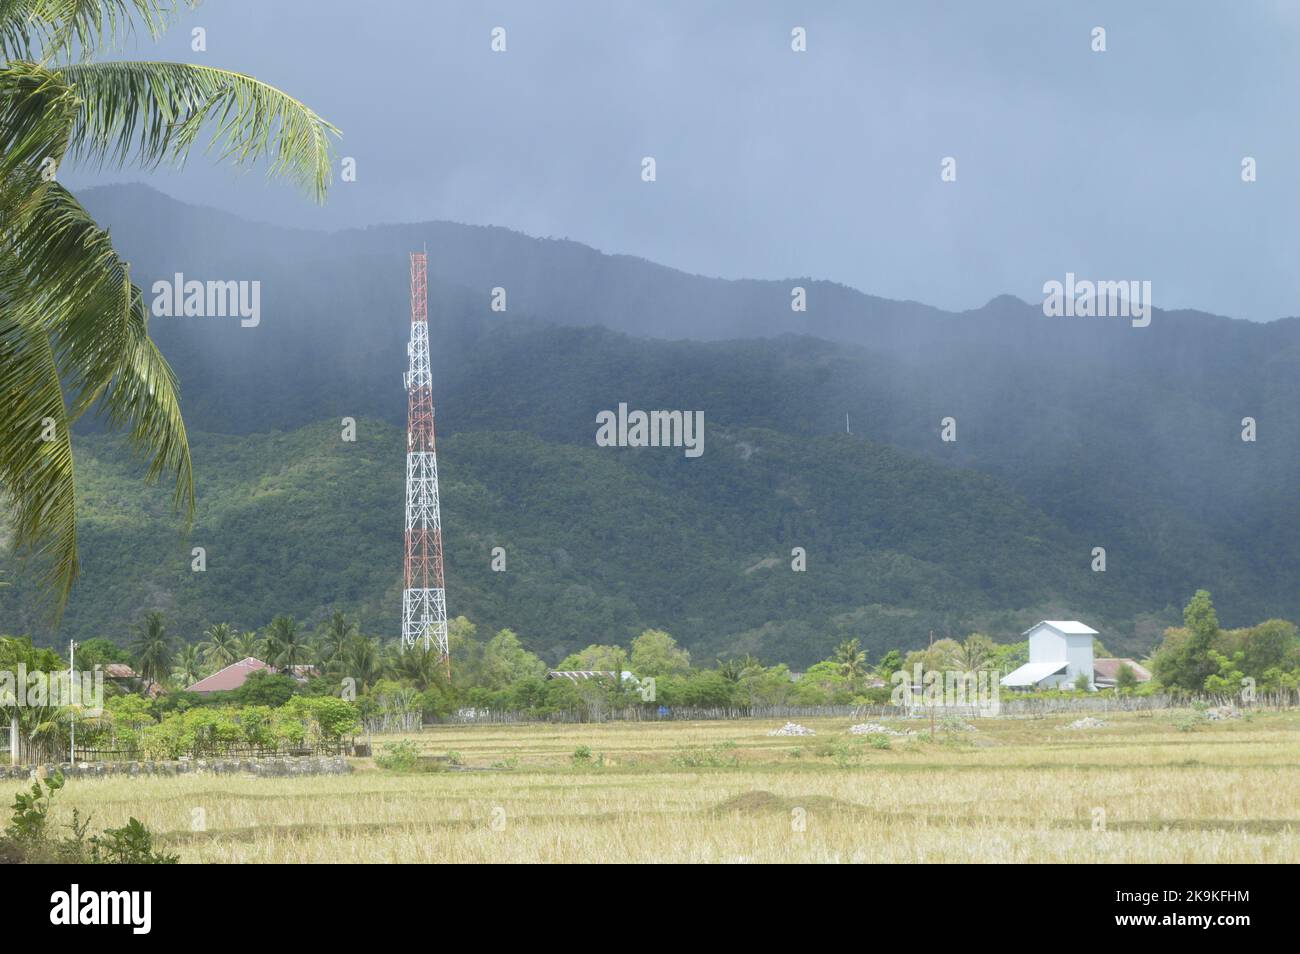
<point x="843" y="752"/>
<point x="715" y="756"/>
<point x="1187" y="723"/>
<point x="28" y="840"/>
<point x="401" y="756"/>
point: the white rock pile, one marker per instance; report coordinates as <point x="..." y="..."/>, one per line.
<point x="875" y="728"/>
<point x="1222" y="712"/>
<point x="792" y="728"/>
<point x="1088" y="723"/>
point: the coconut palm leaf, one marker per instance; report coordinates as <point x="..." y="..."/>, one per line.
<point x="220" y="645"/>
<point x="151" y="113"/>
<point x="62" y="26"/>
<point x="68" y="291"/>
<point x="71" y="320"/>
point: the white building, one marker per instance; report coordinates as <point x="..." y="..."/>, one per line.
<point x="1059" y="650"/>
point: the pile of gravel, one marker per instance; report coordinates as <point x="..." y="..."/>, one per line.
<point x="875" y="728"/>
<point x="1088" y="723"/>
<point x="792" y="728"/>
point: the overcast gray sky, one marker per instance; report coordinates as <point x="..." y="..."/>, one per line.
<point x="772" y="164"/>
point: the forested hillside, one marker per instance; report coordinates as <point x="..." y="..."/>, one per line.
<point x="1071" y="435"/>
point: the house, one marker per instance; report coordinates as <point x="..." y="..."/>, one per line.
<point x="231" y="677"/>
<point x="130" y="680"/>
<point x="237" y="673"/>
<point x="1106" y="672"/>
<point x="582" y="675"/>
<point x="1059" y="651"/>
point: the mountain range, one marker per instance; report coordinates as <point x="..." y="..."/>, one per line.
<point x="822" y="431"/>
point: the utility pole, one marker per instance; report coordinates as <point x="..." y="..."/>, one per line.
<point x="424" y="600"/>
<point x="930" y="660"/>
<point x="72" y="669"/>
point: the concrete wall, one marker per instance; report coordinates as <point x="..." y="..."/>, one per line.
<point x="270" y="768"/>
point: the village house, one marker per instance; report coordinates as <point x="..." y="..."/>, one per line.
<point x="1059" y="651"/>
<point x="237" y="673"/>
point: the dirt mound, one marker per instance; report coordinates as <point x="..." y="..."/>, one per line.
<point x="763" y="802"/>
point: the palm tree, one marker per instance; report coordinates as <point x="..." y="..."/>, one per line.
<point x="152" y="649"/>
<point x="333" y="637"/>
<point x="851" y="660"/>
<point x="70" y="317"/>
<point x="420" y="666"/>
<point x="247" y="644"/>
<point x="362" y="662"/>
<point x="737" y="668"/>
<point x="284" y="647"/>
<point x="975" y="654"/>
<point x="188" y="669"/>
<point x="219" y="646"/>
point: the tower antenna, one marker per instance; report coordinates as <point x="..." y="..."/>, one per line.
<point x="424" y="600"/>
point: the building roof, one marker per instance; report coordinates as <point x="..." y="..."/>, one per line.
<point x="1109" y="669"/>
<point x="1031" y="674"/>
<point x="1070" y="627"/>
<point x="232" y="677"/>
<point x="123" y="671"/>
<point x="580" y="675"/>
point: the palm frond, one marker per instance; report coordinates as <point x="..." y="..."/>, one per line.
<point x="152" y="113"/>
<point x="58" y="27"/>
<point x="36" y="473"/>
<point x="80" y="292"/>
<point x="37" y="112"/>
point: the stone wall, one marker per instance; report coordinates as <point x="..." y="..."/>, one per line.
<point x="269" y="767"/>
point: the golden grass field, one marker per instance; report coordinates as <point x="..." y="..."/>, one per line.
<point x="1015" y="790"/>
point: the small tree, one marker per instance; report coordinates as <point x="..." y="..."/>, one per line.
<point x="1126" y="679"/>
<point x="655" y="653"/>
<point x="851" y="660"/>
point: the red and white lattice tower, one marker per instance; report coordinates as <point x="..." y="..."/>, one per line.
<point x="424" y="601"/>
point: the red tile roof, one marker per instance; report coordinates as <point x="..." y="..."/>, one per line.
<point x="232" y="677"/>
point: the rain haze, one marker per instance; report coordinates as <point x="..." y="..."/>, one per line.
<point x="773" y="163"/>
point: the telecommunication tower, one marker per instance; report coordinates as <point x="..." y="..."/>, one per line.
<point x="424" y="600"/>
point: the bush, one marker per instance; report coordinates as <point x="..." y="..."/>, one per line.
<point x="401" y="756"/>
<point x="716" y="756"/>
<point x="28" y="840"/>
<point x="843" y="752"/>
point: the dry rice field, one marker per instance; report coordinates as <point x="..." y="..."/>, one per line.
<point x="1141" y="789"/>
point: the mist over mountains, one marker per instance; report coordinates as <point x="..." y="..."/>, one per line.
<point x="1071" y="434"/>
